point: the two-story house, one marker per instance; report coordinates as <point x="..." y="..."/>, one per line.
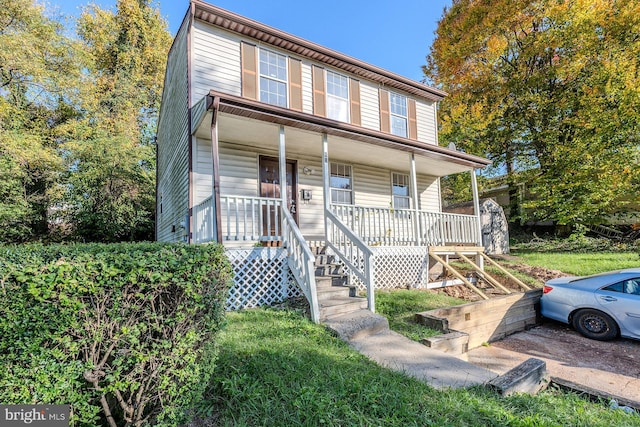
<point x="275" y="147"/>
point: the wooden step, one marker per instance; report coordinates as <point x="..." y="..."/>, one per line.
<point x="328" y="292"/>
<point x="328" y="270"/>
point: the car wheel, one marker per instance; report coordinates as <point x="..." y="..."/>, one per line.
<point x="595" y="324"/>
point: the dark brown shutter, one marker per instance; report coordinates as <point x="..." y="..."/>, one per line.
<point x="319" y="103"/>
<point x="354" y="97"/>
<point x="295" y="84"/>
<point x="249" y="58"/>
<point x="385" y="118"/>
<point x="411" y="115"/>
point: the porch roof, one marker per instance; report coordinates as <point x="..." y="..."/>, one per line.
<point x="229" y="106"/>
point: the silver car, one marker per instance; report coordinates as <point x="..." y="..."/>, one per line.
<point x="601" y="307"/>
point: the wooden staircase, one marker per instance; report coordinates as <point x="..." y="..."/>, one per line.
<point x="335" y="296"/>
<point x="475" y="257"/>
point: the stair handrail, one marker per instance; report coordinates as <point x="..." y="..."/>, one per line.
<point x="350" y="240"/>
<point x="300" y="260"/>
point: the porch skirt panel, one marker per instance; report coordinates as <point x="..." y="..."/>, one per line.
<point x="397" y="267"/>
<point x="261" y="278"/>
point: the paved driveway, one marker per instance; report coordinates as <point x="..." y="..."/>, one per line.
<point x="612" y="367"/>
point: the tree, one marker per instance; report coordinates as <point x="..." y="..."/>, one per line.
<point x="549" y="90"/>
<point x="38" y="68"/>
<point x="111" y="157"/>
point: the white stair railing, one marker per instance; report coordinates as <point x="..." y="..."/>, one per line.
<point x="353" y="252"/>
<point x="301" y="260"/>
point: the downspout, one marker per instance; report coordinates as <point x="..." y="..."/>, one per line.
<point x="213" y="104"/>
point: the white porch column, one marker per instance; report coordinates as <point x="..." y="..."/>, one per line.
<point x="326" y="191"/>
<point x="216" y="215"/>
<point x="282" y="165"/>
<point x="476" y="210"/>
<point x="416" y="207"/>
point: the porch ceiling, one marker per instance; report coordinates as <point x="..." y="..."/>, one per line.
<point x="246" y="126"/>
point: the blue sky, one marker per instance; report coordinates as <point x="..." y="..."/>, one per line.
<point x="392" y="35"/>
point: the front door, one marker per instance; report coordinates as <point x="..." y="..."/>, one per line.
<point x="270" y="187"/>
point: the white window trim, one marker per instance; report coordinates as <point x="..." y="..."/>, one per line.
<point x="407" y="197"/>
<point x="350" y="190"/>
<point x="286" y="81"/>
<point x="392" y="114"/>
<point x="328" y="95"/>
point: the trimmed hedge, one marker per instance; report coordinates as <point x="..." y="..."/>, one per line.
<point x="124" y="333"/>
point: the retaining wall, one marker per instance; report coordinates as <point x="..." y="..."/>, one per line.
<point x="488" y="320"/>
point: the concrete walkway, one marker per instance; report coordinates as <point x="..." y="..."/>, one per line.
<point x="369" y="334"/>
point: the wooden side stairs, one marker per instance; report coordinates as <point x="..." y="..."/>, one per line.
<point x="474" y="256"/>
<point x="335" y="296"/>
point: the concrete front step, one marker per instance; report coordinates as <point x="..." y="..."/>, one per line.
<point x="338" y="305"/>
<point x="357" y="324"/>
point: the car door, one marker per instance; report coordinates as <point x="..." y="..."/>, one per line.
<point x="622" y="300"/>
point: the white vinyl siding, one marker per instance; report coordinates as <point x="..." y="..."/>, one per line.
<point x="173" y="143"/>
<point x="426" y="120"/>
<point x="238" y="171"/>
<point x="215" y="61"/>
<point x="202" y="171"/>
<point x="311" y="212"/>
<point x="369" y="107"/>
<point x="371" y="186"/>
<point x="429" y="193"/>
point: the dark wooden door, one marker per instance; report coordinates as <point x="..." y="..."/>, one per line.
<point x="270" y="187"/>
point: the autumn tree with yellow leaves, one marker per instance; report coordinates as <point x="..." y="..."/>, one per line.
<point x="550" y="91"/>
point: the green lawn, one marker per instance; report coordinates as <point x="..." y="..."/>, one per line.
<point x="400" y="306"/>
<point x="581" y="264"/>
<point x="276" y="368"/>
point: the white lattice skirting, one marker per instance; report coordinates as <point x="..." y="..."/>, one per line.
<point x="397" y="267"/>
<point x="261" y="277"/>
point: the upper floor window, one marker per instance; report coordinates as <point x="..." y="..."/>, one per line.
<point x="273" y="78"/>
<point x="400" y="190"/>
<point x="337" y="97"/>
<point x="398" y="104"/>
<point x="340" y="183"/>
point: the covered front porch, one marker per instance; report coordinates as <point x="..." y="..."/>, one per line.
<point x="284" y="179"/>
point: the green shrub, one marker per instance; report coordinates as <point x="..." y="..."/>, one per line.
<point x="123" y="331"/>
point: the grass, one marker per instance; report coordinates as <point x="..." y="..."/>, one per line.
<point x="400" y="307"/>
<point x="581" y="264"/>
<point x="275" y="368"/>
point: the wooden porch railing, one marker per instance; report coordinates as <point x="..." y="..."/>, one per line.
<point x="444" y="229"/>
<point x="353" y="252"/>
<point x="204" y="222"/>
<point x="301" y="262"/>
<point x="396" y="227"/>
<point x="243" y="218"/>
